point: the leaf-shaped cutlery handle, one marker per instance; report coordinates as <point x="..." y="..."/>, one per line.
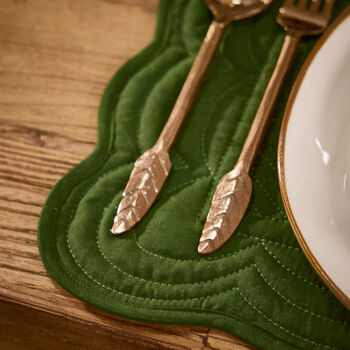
<point x="135" y="197"/>
<point x="232" y="195"/>
<point x="298" y="19"/>
<point x="146" y="180"/>
<point x="152" y="168"/>
<point x="228" y="206"/>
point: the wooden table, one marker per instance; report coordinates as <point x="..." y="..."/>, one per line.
<point x="56" y="57"/>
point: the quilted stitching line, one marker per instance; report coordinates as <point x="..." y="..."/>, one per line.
<point x="194" y="309"/>
<point x="141" y="109"/>
<point x="101" y="285"/>
<point x="220" y="256"/>
<point x="108" y="296"/>
<point x="298" y="306"/>
<point x="266" y="178"/>
<point x="263" y="240"/>
<point x="189" y="260"/>
<point x="185" y="164"/>
<point x="160" y="283"/>
<point x="150" y="91"/>
<point x="90" y="186"/>
<point x="179" y="14"/>
<point x="189" y="284"/>
<point x="184" y="9"/>
<point x="251" y="54"/>
<point x="267" y="160"/>
<point x="106" y="293"/>
<point x="282" y="328"/>
<point x="180" y="167"/>
<point x="178" y="260"/>
<point x="255" y="211"/>
<point x="292" y="272"/>
<point x="138" y="297"/>
<point x="225" y="70"/>
<point x="175" y="188"/>
<point x="206" y="122"/>
<point x="269" y="197"/>
<point x="254" y="167"/>
<point x="215" y="257"/>
<point x="253" y="93"/>
<point x="207" y="197"/>
<point x="164" y="300"/>
<point x="142" y="248"/>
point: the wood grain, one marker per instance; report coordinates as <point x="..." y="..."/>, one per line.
<point x="56" y="57"/>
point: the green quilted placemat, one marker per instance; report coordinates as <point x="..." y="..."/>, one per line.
<point x="259" y="286"/>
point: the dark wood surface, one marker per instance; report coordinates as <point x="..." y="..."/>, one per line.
<point x="56" y="57"/>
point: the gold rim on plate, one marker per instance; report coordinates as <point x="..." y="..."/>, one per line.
<point x="281" y="149"/>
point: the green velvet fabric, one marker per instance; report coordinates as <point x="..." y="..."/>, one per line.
<point x="259" y="286"/>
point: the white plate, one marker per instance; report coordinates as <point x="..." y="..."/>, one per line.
<point x="314" y="157"/>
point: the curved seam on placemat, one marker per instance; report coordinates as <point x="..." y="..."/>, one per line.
<point x="141" y="109"/>
<point x="184" y="163"/>
<point x="269" y="197"/>
<point x="255" y="211"/>
<point x="190" y="284"/>
<point x="298" y="306"/>
<point x="136" y="277"/>
<point x="206" y="122"/>
<point x="177" y="187"/>
<point x="107" y="295"/>
<point x="164" y="196"/>
<point x="268" y="241"/>
<point x="180" y="29"/>
<point x="159" y="256"/>
<point x="246" y="106"/>
<point x="139" y="297"/>
<point x="184" y="260"/>
<point x="216" y="279"/>
<point x="176" y="284"/>
<point x="313" y="284"/>
<point x="215" y="257"/>
<point x="281" y="327"/>
<point x="194" y="299"/>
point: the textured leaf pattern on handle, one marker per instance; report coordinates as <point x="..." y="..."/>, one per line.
<point x="229" y="205"/>
<point x="146" y="180"/>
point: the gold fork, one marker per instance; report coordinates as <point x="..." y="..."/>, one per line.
<point x="232" y="195"/>
<point x="152" y="168"/>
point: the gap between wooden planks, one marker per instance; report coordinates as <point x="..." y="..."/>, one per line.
<point x="56" y="57"/>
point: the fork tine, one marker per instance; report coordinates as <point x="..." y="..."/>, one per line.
<point x="315" y="5"/>
<point x="327" y="8"/>
<point x="288" y="3"/>
<point x="302" y="4"/>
